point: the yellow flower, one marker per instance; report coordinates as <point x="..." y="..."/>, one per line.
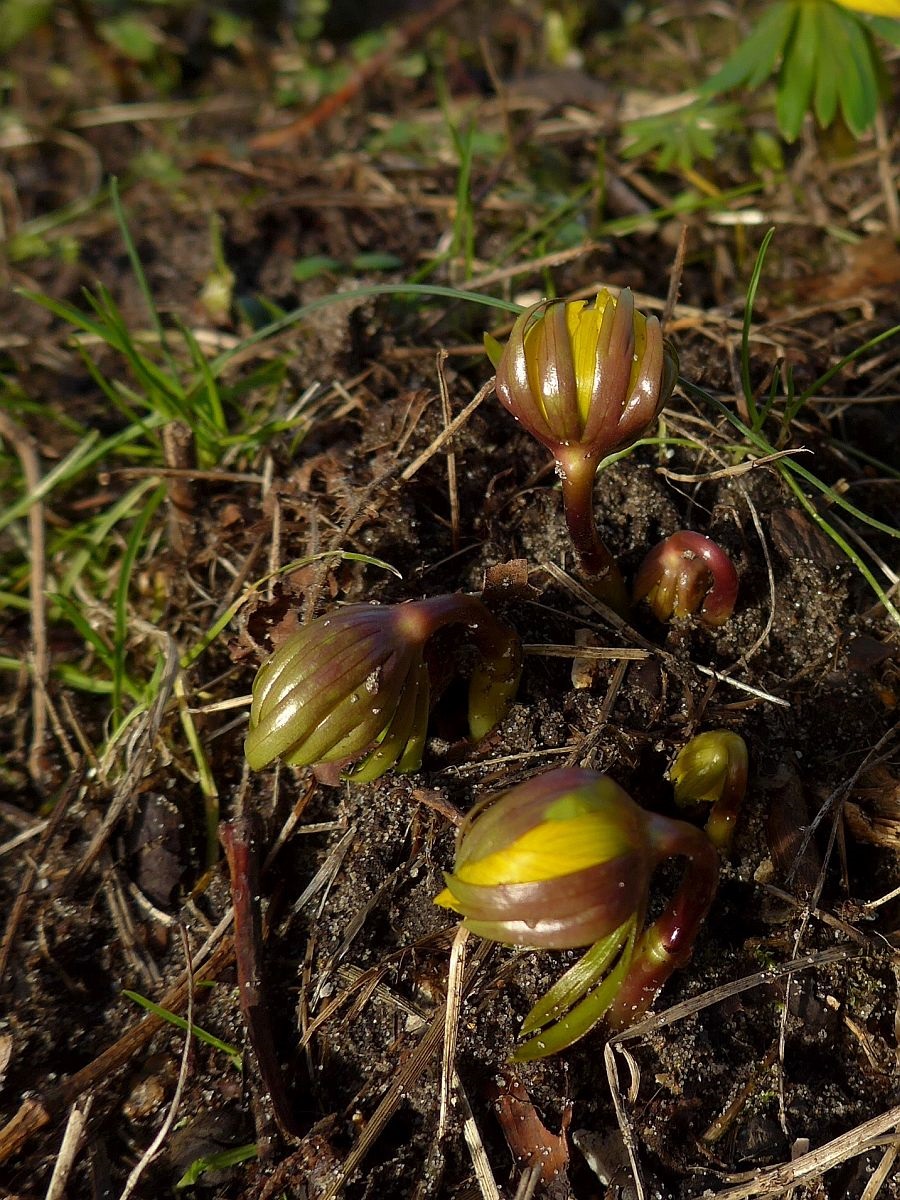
<point x="878" y="8"/>
<point x="565" y="860"/>
<point x="586" y="380"/>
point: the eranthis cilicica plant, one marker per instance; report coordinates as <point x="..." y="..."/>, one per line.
<point x="686" y="575"/>
<point x="355" y="685"/>
<point x="586" y="380"/>
<point x="822" y="56"/>
<point x="565" y="860"/>
<point x="712" y="769"/>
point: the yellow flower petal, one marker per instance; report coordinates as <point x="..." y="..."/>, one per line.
<point x="446" y="899"/>
<point x="878" y="8"/>
<point x="551" y="849"/>
<point x="583" y="322"/>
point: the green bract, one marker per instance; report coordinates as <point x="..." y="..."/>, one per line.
<point x="712" y="769"/>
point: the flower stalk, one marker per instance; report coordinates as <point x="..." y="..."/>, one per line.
<point x="585" y="380"/>
<point x="565" y="860"/>
<point x="355" y="686"/>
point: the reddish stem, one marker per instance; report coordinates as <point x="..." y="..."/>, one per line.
<point x="668" y="942"/>
<point x="597" y="563"/>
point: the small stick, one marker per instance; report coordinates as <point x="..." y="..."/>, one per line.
<point x="71" y="1144"/>
<point x="178" y="452"/>
<point x="238" y="840"/>
<point x="675" y="280"/>
<point x="306" y="124"/>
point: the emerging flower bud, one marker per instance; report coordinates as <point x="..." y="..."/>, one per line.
<point x="712" y="769"/>
<point x="585" y="380"/>
<point x="565" y="860"/>
<point x="356" y="682"/>
<point x="686" y="574"/>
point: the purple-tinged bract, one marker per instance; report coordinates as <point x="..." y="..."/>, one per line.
<point x="688" y="574"/>
<point x="355" y="684"/>
<point x="586" y="380"/>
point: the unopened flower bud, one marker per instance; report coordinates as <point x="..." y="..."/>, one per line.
<point x="585" y="380"/>
<point x="565" y="860"/>
<point x="712" y="769"/>
<point x="688" y="575"/>
<point x="356" y="683"/>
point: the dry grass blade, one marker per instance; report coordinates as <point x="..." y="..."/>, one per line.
<point x="809" y="1167"/>
<point x="71" y="1144"/>
<point x="49" y="829"/>
<point x="165" y="1129"/>
<point x="688" y="1008"/>
<point x="441" y="440"/>
<point x="451" y="1025"/>
<point x="406" y="1076"/>
<point x="26" y="449"/>
<point x="33" y="1115"/>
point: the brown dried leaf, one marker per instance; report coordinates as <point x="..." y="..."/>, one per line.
<point x="529" y="1140"/>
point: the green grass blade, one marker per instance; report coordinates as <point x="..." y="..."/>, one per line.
<point x="789" y="464"/>
<point x="219" y="624"/>
<point x="140" y="277"/>
<point x="216" y="1162"/>
<point x="165" y="1014"/>
<point x="752" y="288"/>
<point x="432" y="291"/>
<point x="848" y="358"/>
<point x="65" y="470"/>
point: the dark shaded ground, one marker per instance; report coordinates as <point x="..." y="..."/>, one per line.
<point x="366" y="951"/>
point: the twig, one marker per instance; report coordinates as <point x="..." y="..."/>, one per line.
<point x="237" y="838"/>
<point x="451" y="455"/>
<point x="403" y="38"/>
<point x="881" y="1172"/>
<point x="675" y="278"/>
<point x="156" y="1145"/>
<point x="886" y="173"/>
<point x="26" y="449"/>
<point x="806" y="1168"/>
<point x="441" y="440"/>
